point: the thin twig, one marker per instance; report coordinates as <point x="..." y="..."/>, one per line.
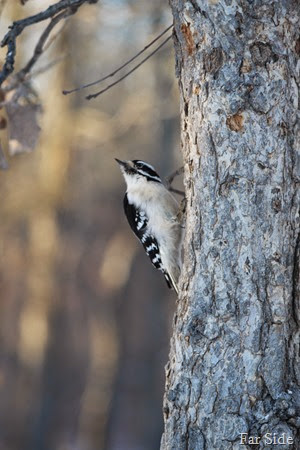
<point x="29" y="76"/>
<point x="84" y="86"/>
<point x="17" y="28"/>
<point x="54" y="36"/>
<point x="176" y="191"/>
<point x="89" y="97"/>
<point x="176" y="173"/>
<point x="48" y="66"/>
<point x="169" y="180"/>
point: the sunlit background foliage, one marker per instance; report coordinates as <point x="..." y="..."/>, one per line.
<point x="85" y="320"/>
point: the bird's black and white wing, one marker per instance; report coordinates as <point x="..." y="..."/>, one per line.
<point x="138" y="222"/>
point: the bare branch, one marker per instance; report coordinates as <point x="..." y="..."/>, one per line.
<point x="84" y="86"/>
<point x="17" y="28"/>
<point x="35" y="73"/>
<point x="16" y="79"/>
<point x="40" y="45"/>
<point x="89" y="97"/>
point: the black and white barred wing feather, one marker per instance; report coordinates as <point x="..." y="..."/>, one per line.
<point x="138" y="222"/>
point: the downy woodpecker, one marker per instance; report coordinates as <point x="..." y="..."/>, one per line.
<point x="152" y="213"/>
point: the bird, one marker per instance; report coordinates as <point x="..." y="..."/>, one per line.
<point x="152" y="213"/>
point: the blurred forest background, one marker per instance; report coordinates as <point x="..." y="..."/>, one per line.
<point x="85" y="319"/>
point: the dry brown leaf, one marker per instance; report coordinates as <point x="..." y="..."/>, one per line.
<point x="23" y="126"/>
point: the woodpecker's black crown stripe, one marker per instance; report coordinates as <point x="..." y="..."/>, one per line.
<point x="146" y="170"/>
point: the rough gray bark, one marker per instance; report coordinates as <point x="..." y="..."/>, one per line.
<point x="234" y="362"/>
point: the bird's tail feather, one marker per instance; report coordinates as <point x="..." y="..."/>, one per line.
<point x="171" y="282"/>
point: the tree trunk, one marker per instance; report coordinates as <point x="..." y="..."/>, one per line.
<point x="234" y="362"/>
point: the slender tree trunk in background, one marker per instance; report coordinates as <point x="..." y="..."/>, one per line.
<point x="234" y="361"/>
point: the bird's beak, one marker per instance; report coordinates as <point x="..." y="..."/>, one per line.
<point x="125" y="166"/>
<point x="122" y="163"/>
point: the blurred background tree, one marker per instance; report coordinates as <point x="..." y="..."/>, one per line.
<point x="84" y="318"/>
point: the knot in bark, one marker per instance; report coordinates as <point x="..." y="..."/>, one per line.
<point x="213" y="61"/>
<point x="262" y="53"/>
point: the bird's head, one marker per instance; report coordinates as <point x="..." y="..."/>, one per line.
<point x="138" y="170"/>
